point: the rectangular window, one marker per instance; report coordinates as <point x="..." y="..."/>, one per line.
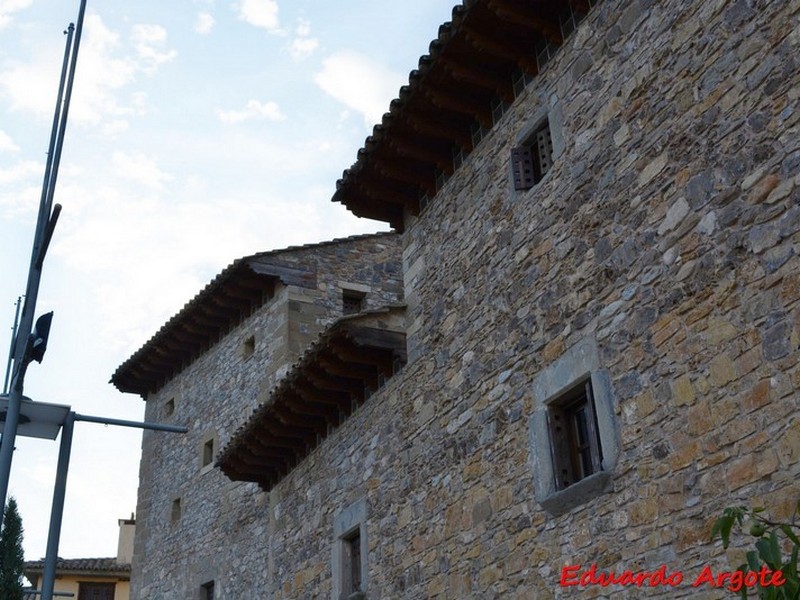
<point x="352" y="302"/>
<point x="532" y="159"/>
<point x="169" y="408"/>
<point x="95" y="591"/>
<point x="351" y="564"/>
<point x="175" y="513"/>
<point x="574" y="435"/>
<point x="249" y="347"/>
<point x="207" y="591"/>
<point x="208" y="452"/>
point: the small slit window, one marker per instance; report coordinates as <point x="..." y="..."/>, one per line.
<point x="208" y="452"/>
<point x="169" y="407"/>
<point x="249" y="347"/>
<point x="351" y="565"/>
<point x="532" y="159"/>
<point x="175" y="513"/>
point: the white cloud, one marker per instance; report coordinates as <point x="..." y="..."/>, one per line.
<point x="139" y="168"/>
<point x="260" y="13"/>
<point x="103" y="73"/>
<point x="20" y="172"/>
<point x="359" y="82"/>
<point x="204" y="23"/>
<point x="9" y="7"/>
<point x="149" y="41"/>
<point x="303" y="45"/>
<point x="253" y="110"/>
<point x="6" y="143"/>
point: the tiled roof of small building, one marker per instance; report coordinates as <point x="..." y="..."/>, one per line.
<point x="83" y="566"/>
<point x="240" y="289"/>
<point x="475" y="67"/>
<point x="351" y="359"/>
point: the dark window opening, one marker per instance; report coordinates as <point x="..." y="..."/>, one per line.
<point x="169" y="407"/>
<point x="95" y="591"/>
<point x="351" y="565"/>
<point x="574" y="436"/>
<point x="208" y="452"/>
<point x="249" y="347"/>
<point x="531" y="160"/>
<point x="207" y="591"/>
<point x="175" y="514"/>
<point x="352" y="302"/>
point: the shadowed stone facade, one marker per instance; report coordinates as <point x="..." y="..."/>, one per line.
<point x="194" y="525"/>
<point x="658" y="257"/>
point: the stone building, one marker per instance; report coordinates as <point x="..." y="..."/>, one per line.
<point x="599" y="208"/>
<point x="207" y="368"/>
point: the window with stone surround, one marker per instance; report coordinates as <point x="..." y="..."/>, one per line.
<point x="573" y="431"/>
<point x="207" y="450"/>
<point x="532" y="159"/>
<point x="574" y="439"/>
<point x="352" y="302"/>
<point x="538" y="145"/>
<point x="349" y="559"/>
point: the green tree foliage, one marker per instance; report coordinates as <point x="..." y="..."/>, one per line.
<point x="776" y="548"/>
<point x="12" y="558"/>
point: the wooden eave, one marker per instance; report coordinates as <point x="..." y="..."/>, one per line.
<point x="242" y="288"/>
<point x="335" y="375"/>
<point x="470" y="68"/>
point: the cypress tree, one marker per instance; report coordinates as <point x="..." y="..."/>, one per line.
<point x="12" y="558"/>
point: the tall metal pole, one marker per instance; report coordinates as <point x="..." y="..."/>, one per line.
<point x="54" y="534"/>
<point x="59" y="493"/>
<point x="44" y="230"/>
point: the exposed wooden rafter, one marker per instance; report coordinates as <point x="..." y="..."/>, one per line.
<point x="519" y="13"/>
<point x="325" y="386"/>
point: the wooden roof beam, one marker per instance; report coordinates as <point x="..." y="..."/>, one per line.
<point x="325" y="381"/>
<point x="459" y="103"/>
<point x="397" y="189"/>
<point x="581" y="6"/>
<point x="299" y="406"/>
<point x="369" y="375"/>
<point x="402" y="170"/>
<point x="519" y="14"/>
<point x="269" y="440"/>
<point x="501" y="49"/>
<point x="470" y="73"/>
<point x="377" y="357"/>
<point x="312" y="423"/>
<point x="278" y="430"/>
<point x="378" y="190"/>
<point x="409" y="146"/>
<point x="314" y="395"/>
<point x="378" y="338"/>
<point x="431" y="126"/>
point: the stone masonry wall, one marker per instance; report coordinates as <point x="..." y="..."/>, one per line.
<point x="668" y="231"/>
<point x="221" y="533"/>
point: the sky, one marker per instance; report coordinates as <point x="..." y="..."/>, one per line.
<point x="199" y="131"/>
